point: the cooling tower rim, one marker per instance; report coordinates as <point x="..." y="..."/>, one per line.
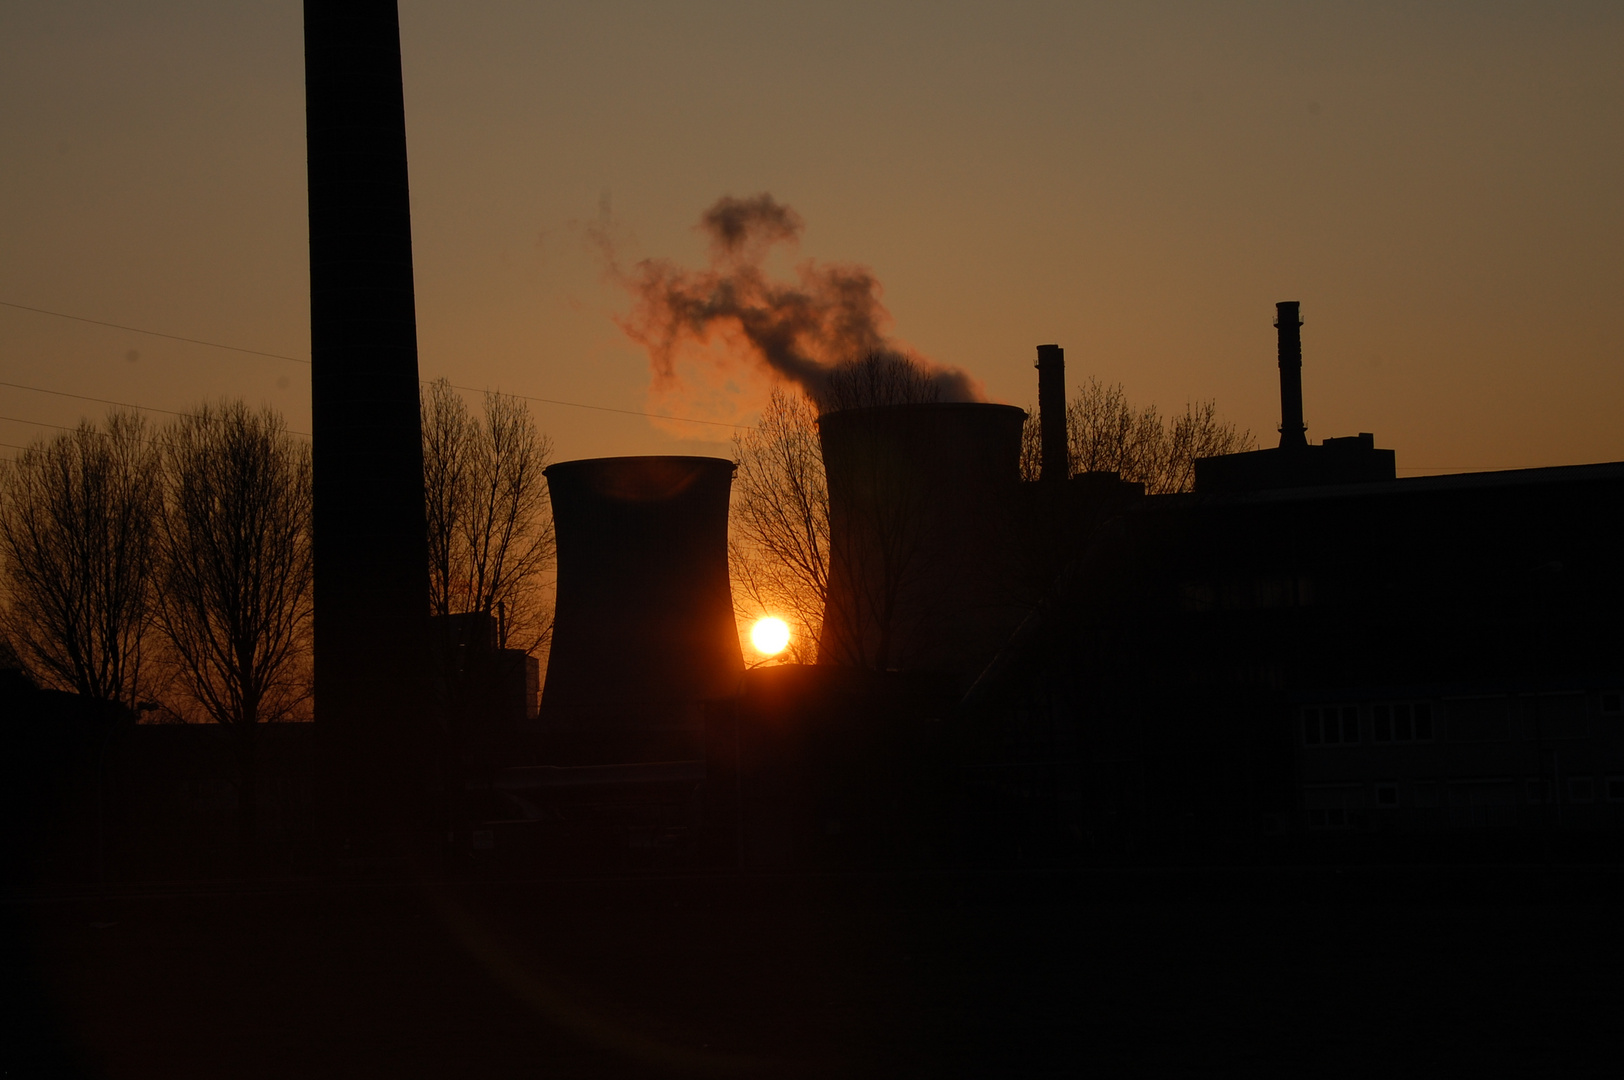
<point x="983" y="407"/>
<point x="610" y="462"/>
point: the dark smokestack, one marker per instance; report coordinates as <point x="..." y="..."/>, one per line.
<point x="371" y="558"/>
<point x="643" y="629"/>
<point x="1291" y="374"/>
<point x="1052" y="412"/>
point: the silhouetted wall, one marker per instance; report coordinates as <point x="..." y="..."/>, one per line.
<point x="1429" y="653"/>
<point x="644" y="628"/>
<point x="371" y="558"/>
<point x="921" y="501"/>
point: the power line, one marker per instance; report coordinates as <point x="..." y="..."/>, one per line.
<point x="602" y="408"/>
<point x="299" y="360"/>
<point x="36" y="423"/>
<point x="108" y="401"/>
<point x="152" y="333"/>
<point x="83" y="397"/>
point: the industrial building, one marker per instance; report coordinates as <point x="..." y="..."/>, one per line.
<point x="1303" y="646"/>
<point x="1307" y="644"/>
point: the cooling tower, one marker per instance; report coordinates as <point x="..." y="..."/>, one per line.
<point x="643" y="630"/>
<point x="919" y="515"/>
<point x="370" y="544"/>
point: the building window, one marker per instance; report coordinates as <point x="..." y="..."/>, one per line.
<point x="1612" y="702"/>
<point x="1539" y="791"/>
<point x="1334" y="806"/>
<point x="1330" y="725"/>
<point x="1581" y="789"/>
<point x="1615" y="789"/>
<point x="1401" y="721"/>
<point x="1386" y="794"/>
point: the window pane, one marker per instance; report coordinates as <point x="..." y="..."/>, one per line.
<point x="1311" y="727"/>
<point x="1402" y="729"/>
<point x="1350" y="723"/>
<point x="1382" y="720"/>
<point x="1423" y="720"/>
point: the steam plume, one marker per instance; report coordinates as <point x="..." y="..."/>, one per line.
<point x="824" y="332"/>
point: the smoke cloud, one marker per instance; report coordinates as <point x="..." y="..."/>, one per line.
<point x="825" y="331"/>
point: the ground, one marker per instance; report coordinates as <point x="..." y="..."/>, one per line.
<point x="1170" y="972"/>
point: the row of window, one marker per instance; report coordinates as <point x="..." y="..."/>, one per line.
<point x="1494" y="717"/>
<point x="1391" y="721"/>
<point x="1536" y="791"/>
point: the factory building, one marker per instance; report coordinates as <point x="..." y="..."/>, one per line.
<point x="1307" y="644"/>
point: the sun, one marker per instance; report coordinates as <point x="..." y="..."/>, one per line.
<point x="770" y="635"/>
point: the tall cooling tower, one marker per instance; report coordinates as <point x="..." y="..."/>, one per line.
<point x="919" y="519"/>
<point x="644" y="629"/>
<point x="370" y="545"/>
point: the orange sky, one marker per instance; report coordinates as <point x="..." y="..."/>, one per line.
<point x="1438" y="184"/>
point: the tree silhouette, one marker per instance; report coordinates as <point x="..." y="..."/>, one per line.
<point x="1104" y="433"/>
<point x="234" y="595"/>
<point x="778" y="547"/>
<point x="76" y="531"/>
<point x="490" y="526"/>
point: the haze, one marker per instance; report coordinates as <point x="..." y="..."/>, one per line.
<point x="1438" y="184"/>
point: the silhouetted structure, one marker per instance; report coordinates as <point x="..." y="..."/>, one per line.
<point x="1295" y="463"/>
<point x="1307" y="643"/>
<point x="920" y="510"/>
<point x="371" y="560"/>
<point x="491" y="688"/>
<point x="1289" y="326"/>
<point x="644" y="630"/>
<point x="1051" y="365"/>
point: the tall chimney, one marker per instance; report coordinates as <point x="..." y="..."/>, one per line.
<point x="1289" y="324"/>
<point x="370" y="547"/>
<point x="1052" y="412"/>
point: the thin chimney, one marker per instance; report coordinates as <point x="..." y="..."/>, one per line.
<point x="1051" y="367"/>
<point x="1290" y="323"/>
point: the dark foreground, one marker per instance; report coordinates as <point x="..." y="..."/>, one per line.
<point x="1300" y="972"/>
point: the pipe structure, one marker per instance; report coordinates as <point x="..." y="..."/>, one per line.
<point x="1051" y="365"/>
<point x="370" y="543"/>
<point x="920" y="506"/>
<point x="643" y="630"/>
<point x="1293" y="433"/>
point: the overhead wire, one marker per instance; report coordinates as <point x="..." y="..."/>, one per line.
<point x="301" y="360"/>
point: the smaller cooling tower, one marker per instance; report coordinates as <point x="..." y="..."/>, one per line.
<point x="920" y="510"/>
<point x="643" y="630"/>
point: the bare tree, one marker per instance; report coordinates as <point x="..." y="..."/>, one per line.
<point x="1104" y="433"/>
<point x="234" y="598"/>
<point x="779" y="544"/>
<point x="490" y="525"/>
<point x="878" y="378"/>
<point x="76" y="528"/>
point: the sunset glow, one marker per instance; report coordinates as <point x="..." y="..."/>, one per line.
<point x="770" y="635"/>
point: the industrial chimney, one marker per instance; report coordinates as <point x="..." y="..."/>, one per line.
<point x="643" y="630"/>
<point x="919" y="545"/>
<point x="1051" y="367"/>
<point x="1295" y="463"/>
<point x="1289" y="325"/>
<point x="370" y="548"/>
